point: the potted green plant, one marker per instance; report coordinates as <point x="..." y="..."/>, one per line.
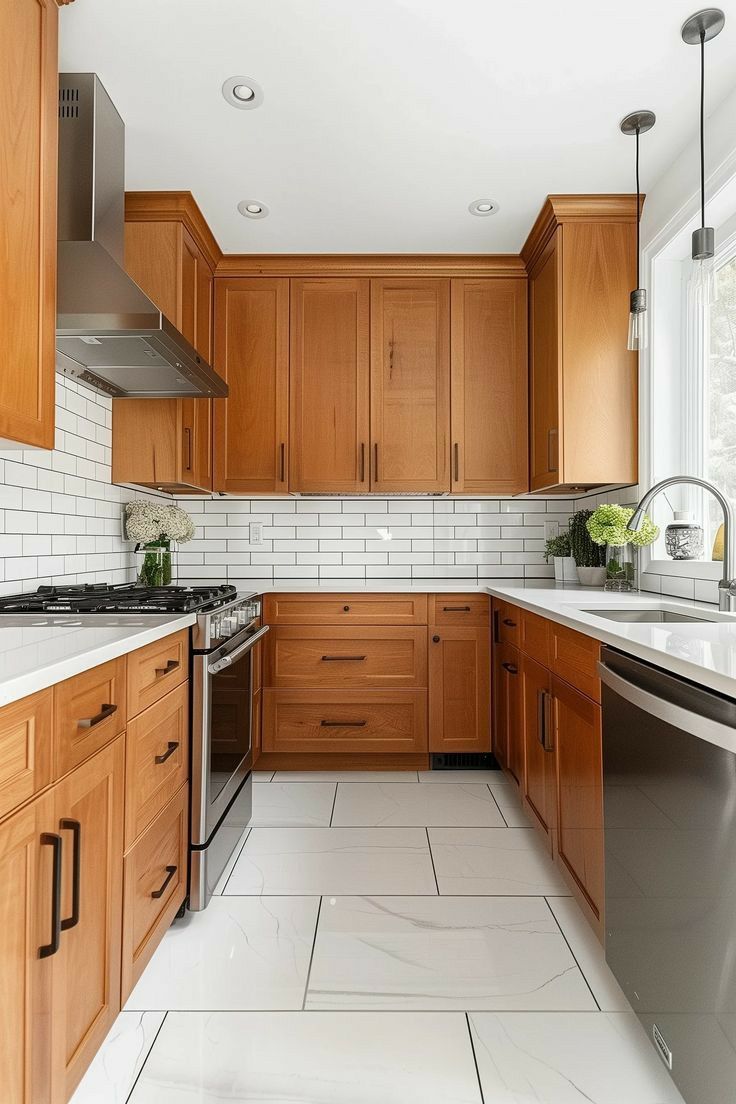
<point x="589" y="557"/>
<point x="154" y="525"/>
<point x="608" y="528"/>
<point x="557" y="549"/>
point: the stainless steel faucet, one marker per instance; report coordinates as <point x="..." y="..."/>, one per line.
<point x="727" y="585"/>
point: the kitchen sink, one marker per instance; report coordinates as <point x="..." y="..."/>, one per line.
<point x="655" y="616"/>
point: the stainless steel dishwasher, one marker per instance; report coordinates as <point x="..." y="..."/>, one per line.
<point x="669" y="781"/>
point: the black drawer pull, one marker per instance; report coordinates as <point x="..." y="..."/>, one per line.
<point x="171" y="665"/>
<point x="511" y="624"/>
<point x="340" y="659"/>
<point x="171" y="747"/>
<point x="105" y="712"/>
<point x="52" y="840"/>
<point x="343" y="724"/>
<point x="511" y="668"/>
<point x="170" y="872"/>
<point x="75" y="827"/>
<point x="346" y="609"/>
<point x="456" y="609"/>
<point x="436" y="639"/>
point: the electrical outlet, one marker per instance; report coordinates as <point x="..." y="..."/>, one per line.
<point x="256" y="532"/>
<point x="551" y="529"/>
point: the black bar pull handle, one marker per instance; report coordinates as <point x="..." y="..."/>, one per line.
<point x="171" y="665"/>
<point x="105" y="712"/>
<point x="496" y="631"/>
<point x="170" y="872"/>
<point x="343" y="724"/>
<point x="342" y="659"/>
<point x="362" y="462"/>
<point x="456" y="451"/>
<point x="171" y="747"/>
<point x="511" y="668"/>
<point x="74" y="826"/>
<point x="456" y="609"/>
<point x="511" y="624"/>
<point x="282" y="463"/>
<point x="51" y="839"/>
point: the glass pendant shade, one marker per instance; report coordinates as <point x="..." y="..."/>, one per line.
<point x="638" y="337"/>
<point x="636" y="124"/>
<point x="703" y="286"/>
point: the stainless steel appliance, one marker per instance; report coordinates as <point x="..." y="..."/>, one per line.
<point x="669" y="775"/>
<point x="109" y="335"/>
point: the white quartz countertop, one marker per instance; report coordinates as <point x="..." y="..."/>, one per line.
<point x="34" y="656"/>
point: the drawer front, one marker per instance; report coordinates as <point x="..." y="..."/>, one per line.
<point x="89" y="712"/>
<point x="344" y="721"/>
<point x="345" y="609"/>
<point x="26" y="728"/>
<point x="459" y="609"/>
<point x="534" y="637"/>
<point x="506" y="623"/>
<point x="154" y="886"/>
<point x="574" y="657"/>
<point x="342" y="656"/>
<point x="156" y="761"/>
<point x="156" y="669"/>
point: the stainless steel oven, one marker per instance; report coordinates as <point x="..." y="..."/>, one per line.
<point x="222" y="749"/>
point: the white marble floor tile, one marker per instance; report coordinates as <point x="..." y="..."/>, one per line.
<point x="442" y="953"/>
<point x="293" y="804"/>
<point x="568" y="1058"/>
<point x="239" y="953"/>
<point x="345" y="776"/>
<point x="493" y="861"/>
<point x="262" y="776"/>
<point x="119" y="1060"/>
<point x="310" y="1058"/>
<point x="397" y="806"/>
<point x="237" y="848"/>
<point x="448" y="776"/>
<point x="507" y="798"/>
<point x="589" y="954"/>
<point x="333" y="860"/>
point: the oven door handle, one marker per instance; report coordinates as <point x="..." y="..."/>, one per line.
<point x="221" y="664"/>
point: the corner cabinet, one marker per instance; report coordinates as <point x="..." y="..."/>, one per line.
<point x="28" y="166"/>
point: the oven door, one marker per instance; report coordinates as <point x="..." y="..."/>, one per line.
<point x="222" y="755"/>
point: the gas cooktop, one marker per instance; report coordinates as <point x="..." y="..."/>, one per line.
<point x="120" y="598"/>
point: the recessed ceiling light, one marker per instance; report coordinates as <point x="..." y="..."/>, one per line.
<point x="242" y="92"/>
<point x="252" y="208"/>
<point x="483" y="207"/>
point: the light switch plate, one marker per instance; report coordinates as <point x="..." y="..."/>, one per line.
<point x="256" y="532"/>
<point x="551" y="529"/>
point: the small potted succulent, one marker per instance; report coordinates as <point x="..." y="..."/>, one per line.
<point x="154" y="525"/>
<point x="589" y="557"/>
<point x="608" y="528"/>
<point x="557" y="549"/>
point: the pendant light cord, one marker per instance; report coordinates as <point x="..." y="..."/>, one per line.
<point x="702" y="128"/>
<point x="638" y="209"/>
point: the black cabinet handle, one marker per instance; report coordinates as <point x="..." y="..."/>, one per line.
<point x="171" y="747"/>
<point x="170" y="872"/>
<point x="375" y="461"/>
<point x="457" y="462"/>
<point x="51" y="839"/>
<point x="75" y="827"/>
<point x="511" y="624"/>
<point x="511" y="668"/>
<point x="282" y="454"/>
<point x="362" y="462"/>
<point x="456" y="609"/>
<point x="341" y="659"/>
<point x="105" y="712"/>
<point x="496" y="634"/>
<point x="435" y="640"/>
<point x="343" y="724"/>
<point x="171" y="665"/>
<point x="346" y="609"/>
<point x="188" y="452"/>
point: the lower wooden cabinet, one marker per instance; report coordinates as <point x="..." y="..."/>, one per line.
<point x="540" y="788"/>
<point x="319" y="721"/>
<point x="364" y="657"/>
<point x="508" y="736"/>
<point x="25" y="748"/>
<point x="459" y="688"/>
<point x="157" y="759"/>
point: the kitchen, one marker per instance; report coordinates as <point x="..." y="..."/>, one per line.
<point x="339" y="670"/>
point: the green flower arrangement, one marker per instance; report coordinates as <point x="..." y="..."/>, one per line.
<point x="608" y="525"/>
<point x="557" y="546"/>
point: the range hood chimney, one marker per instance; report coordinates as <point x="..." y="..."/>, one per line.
<point x="109" y="335"/>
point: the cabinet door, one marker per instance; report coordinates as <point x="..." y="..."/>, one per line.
<point x="489" y="387"/>
<point x="26" y="923"/>
<point x="545" y="303"/>
<point x="410" y="385"/>
<point x="540" y="789"/>
<point x="459" y="688"/>
<point x="28" y="165"/>
<point x="508" y="737"/>
<point x="252" y="355"/>
<point x="195" y="313"/>
<point x="577" y="723"/>
<point x="329" y="384"/>
<point x="88" y="813"/>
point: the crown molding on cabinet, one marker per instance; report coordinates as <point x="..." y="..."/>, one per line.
<point x="174" y="207"/>
<point x="371" y="264"/>
<point x="559" y="209"/>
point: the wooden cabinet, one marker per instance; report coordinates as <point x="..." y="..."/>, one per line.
<point x="410" y="385"/>
<point x="581" y="258"/>
<point x="489" y="387"/>
<point x="26" y="729"/>
<point x="540" y="789"/>
<point x="89" y="712"/>
<point x="508" y="737"/>
<point x="252" y="355"/>
<point x="345" y="609"/>
<point x="352" y="721"/>
<point x="28" y="169"/>
<point x="329" y="426"/>
<point x="346" y="656"/>
<point x="459" y="688"/>
<point x="157" y="759"/>
<point x="156" y="669"/>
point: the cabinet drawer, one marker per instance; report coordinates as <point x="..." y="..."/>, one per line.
<point x="154" y="886"/>
<point x="89" y="712"/>
<point x="458" y="609"/>
<point x="26" y="728"/>
<point x="156" y="669"/>
<point x="506" y="623"/>
<point x="345" y="609"/>
<point x="342" y="656"/>
<point x="157" y="760"/>
<point x="338" y="720"/>
<point x="574" y="657"/>
<point x="534" y="637"/>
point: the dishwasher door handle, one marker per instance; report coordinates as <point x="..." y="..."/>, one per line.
<point x="686" y="720"/>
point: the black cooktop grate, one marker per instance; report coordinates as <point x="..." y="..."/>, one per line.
<point x="120" y="598"/>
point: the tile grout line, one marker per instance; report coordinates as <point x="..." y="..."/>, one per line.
<point x="431" y="857"/>
<point x="500" y="810"/>
<point x="148" y="1054"/>
<point x="475" y="1057"/>
<point x="311" y="957"/>
<point x="334" y="802"/>
<point x="574" y="956"/>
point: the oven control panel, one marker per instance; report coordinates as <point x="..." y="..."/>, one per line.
<point x="222" y="624"/>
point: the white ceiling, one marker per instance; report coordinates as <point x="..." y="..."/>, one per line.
<point x="383" y="119"/>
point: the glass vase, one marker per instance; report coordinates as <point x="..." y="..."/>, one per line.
<point x="621" y="568"/>
<point x="156" y="565"/>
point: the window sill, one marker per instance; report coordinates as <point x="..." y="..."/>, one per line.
<point x="712" y="570"/>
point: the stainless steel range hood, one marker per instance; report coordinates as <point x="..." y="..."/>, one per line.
<point x="109" y="335"/>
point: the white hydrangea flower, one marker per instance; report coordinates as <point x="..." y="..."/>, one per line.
<point x="153" y="521"/>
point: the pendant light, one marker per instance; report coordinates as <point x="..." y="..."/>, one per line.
<point x="638" y="122"/>
<point x="696" y="31"/>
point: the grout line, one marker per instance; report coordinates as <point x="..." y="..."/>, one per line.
<point x="500" y="810"/>
<point x="431" y="856"/>
<point x="148" y="1054"/>
<point x="574" y="956"/>
<point x="475" y="1059"/>
<point x="311" y="957"/>
<point x="334" y="802"/>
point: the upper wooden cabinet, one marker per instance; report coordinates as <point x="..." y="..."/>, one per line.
<point x="489" y="387"/>
<point x="252" y="356"/>
<point x="28" y="167"/>
<point x="581" y="257"/>
<point x="410" y="385"/>
<point x="330" y="392"/>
